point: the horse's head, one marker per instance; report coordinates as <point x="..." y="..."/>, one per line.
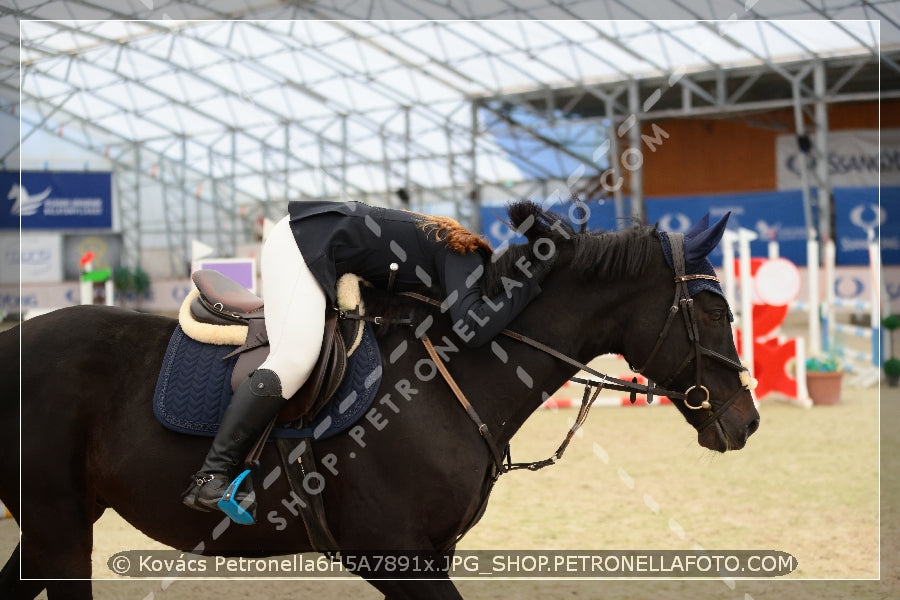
<point x="684" y="341"/>
<point x="653" y="297"/>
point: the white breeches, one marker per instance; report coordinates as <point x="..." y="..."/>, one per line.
<point x="295" y="310"/>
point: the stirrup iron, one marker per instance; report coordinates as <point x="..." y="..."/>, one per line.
<point x="228" y="505"/>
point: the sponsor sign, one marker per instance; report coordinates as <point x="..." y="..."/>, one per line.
<point x="856" y="211"/>
<point x="31" y="258"/>
<point x="779" y="216"/>
<point x="60" y="201"/>
<point x="772" y="215"/>
<point x="776" y="215"/>
<point x="853" y="159"/>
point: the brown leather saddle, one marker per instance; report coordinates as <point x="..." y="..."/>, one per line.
<point x="222" y="301"/>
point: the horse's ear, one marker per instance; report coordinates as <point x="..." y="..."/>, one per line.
<point x="700" y="244"/>
<point x="699" y="226"/>
<point x="529" y="219"/>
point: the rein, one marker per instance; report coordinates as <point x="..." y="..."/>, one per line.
<point x="502" y="459"/>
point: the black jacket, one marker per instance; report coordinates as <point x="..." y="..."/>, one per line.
<point x="350" y="237"/>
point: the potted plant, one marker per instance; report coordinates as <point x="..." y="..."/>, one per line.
<point x="141" y="285"/>
<point x="892" y="370"/>
<point x="124" y="282"/>
<point x="823" y="379"/>
<point x="132" y="284"/>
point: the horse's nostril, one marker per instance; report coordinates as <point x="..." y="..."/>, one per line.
<point x="753" y="426"/>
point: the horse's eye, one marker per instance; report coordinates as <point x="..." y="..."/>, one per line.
<point x="716" y="315"/>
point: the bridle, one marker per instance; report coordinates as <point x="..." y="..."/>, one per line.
<point x="683" y="303"/>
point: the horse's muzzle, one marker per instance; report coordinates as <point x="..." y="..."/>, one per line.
<point x="722" y="436"/>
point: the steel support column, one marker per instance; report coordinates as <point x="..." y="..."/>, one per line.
<point x="635" y="168"/>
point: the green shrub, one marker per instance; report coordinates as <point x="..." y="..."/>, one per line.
<point x="891" y="366"/>
<point x="822" y="364"/>
<point x="891" y="322"/>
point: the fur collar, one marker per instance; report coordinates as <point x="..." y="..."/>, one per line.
<point x="455" y="236"/>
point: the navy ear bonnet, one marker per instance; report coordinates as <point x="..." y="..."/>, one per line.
<point x="699" y="265"/>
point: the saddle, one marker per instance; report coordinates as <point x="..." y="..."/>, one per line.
<point x="221" y="311"/>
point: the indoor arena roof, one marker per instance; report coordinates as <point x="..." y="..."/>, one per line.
<point x="361" y="96"/>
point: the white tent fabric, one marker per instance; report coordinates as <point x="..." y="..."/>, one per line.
<point x="265" y="101"/>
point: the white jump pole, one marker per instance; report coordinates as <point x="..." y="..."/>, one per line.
<point x="745" y="236"/>
<point x="774" y="250"/>
<point x="812" y="281"/>
<point x="85" y="292"/>
<point x="828" y="309"/>
<point x="875" y="272"/>
<point x="869" y="374"/>
<point x="800" y="374"/>
<point x="728" y="240"/>
<point x="109" y="291"/>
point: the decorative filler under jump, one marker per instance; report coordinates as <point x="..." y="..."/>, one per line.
<point x="415" y="473"/>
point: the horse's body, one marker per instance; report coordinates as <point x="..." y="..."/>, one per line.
<point x="415" y="480"/>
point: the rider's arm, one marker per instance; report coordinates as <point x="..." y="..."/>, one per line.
<point x="476" y="318"/>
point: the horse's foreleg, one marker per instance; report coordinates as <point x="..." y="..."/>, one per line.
<point x="440" y="588"/>
<point x="57" y="550"/>
<point x="20" y="579"/>
<point x="405" y="576"/>
<point x="11" y="584"/>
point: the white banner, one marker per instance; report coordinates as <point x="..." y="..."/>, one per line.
<point x="166" y="295"/>
<point x="39" y="256"/>
<point x="853" y="159"/>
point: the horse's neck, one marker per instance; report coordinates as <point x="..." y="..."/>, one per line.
<point x="556" y="319"/>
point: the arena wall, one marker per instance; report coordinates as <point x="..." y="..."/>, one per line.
<point x="736" y="154"/>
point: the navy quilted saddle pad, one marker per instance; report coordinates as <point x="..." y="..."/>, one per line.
<point x="194" y="389"/>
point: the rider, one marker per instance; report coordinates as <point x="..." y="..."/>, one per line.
<point x="302" y="259"/>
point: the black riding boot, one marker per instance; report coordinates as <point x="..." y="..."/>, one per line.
<point x="254" y="404"/>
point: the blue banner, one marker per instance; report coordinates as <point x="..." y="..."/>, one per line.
<point x="596" y="215"/>
<point x="772" y="215"/>
<point x="779" y="216"/>
<point x="776" y="215"/>
<point x="856" y="211"/>
<point x="59" y="201"/>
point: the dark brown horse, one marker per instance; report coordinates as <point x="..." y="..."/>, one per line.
<point x="414" y="479"/>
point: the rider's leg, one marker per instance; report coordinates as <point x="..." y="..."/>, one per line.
<point x="295" y="310"/>
<point x="295" y="319"/>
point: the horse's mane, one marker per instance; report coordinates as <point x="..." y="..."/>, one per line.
<point x="595" y="254"/>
